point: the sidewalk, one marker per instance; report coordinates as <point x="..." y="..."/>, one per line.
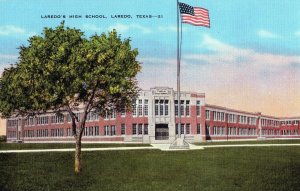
<point x="162" y="147"/>
<point x="73" y="149"/>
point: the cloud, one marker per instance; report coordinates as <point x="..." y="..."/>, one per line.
<point x="297" y="34"/>
<point x="6" y="59"/>
<point x="223" y="53"/>
<point x="266" y="34"/>
<point x="124" y="28"/>
<point x="8" y="30"/>
<point x="230" y="76"/>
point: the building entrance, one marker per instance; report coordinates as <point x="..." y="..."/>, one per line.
<point x="161" y="132"/>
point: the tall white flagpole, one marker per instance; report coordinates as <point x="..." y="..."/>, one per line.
<point x="178" y="76"/>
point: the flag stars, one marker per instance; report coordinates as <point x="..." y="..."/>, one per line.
<point x="186" y="9"/>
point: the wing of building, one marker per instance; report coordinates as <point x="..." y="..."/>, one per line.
<point x="154" y="120"/>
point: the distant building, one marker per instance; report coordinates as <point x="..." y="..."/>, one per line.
<point x="2" y="127"/>
<point x="154" y="120"/>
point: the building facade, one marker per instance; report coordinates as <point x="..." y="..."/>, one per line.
<point x="154" y="119"/>
<point x="2" y="127"/>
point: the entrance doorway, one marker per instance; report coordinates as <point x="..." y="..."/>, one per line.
<point x="161" y="132"/>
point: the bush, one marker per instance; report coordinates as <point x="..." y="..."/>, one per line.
<point x="2" y="138"/>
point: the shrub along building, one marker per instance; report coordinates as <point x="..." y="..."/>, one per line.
<point x="154" y="119"/>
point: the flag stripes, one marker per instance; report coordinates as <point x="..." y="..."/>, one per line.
<point x="194" y="15"/>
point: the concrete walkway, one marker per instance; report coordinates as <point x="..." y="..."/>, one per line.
<point x="73" y="149"/>
<point x="162" y="147"/>
<point x="250" y="145"/>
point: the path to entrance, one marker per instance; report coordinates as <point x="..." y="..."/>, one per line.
<point x="83" y="149"/>
<point x="163" y="147"/>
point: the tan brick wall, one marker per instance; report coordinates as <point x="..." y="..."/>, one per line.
<point x="2" y="126"/>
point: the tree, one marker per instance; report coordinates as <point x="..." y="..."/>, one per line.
<point x="63" y="71"/>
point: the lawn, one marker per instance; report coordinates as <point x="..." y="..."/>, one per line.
<point x="224" y="169"/>
<point x="18" y="146"/>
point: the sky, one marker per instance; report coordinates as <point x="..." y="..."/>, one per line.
<point x="249" y="59"/>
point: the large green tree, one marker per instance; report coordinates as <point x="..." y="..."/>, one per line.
<point x="63" y="71"/>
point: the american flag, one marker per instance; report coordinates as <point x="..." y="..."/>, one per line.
<point x="194" y="15"/>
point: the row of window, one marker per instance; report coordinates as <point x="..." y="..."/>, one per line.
<point x="290" y="132"/>
<point x="140" y="107"/>
<point x="295" y="122"/>
<point x="269" y="122"/>
<point x="139" y="129"/>
<point x="11" y="134"/>
<point x="184" y="107"/>
<point x="232" y="118"/>
<point x="12" y="123"/>
<point x="185" y="128"/>
<point x="109" y="130"/>
<point x="216" y="130"/>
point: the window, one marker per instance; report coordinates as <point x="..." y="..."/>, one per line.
<point x="113" y="130"/>
<point x="29" y="121"/>
<point x="187" y="107"/>
<point x="176" y="107"/>
<point x="106" y="130"/>
<point x="145" y="129"/>
<point x="198" y="128"/>
<point x="207" y="129"/>
<point x="61" y="132"/>
<point x="92" y="116"/>
<point x="198" y="109"/>
<point x="85" y="131"/>
<point x="140" y="129"/>
<point x="215" y="115"/>
<point x="140" y="108"/>
<point x="231" y="118"/>
<point x="96" y="130"/>
<point x="207" y="114"/>
<point x="57" y="118"/>
<point x="134" y="129"/>
<point x="113" y="114"/>
<point x="106" y="115"/>
<point x="123" y="111"/>
<point x="123" y="129"/>
<point x="188" y="128"/>
<point x="182" y="129"/>
<point x="42" y="120"/>
<point x="182" y="108"/>
<point x="146" y="107"/>
<point x="156" y="107"/>
<point x="176" y="127"/>
<point x="134" y="107"/>
<point x="69" y="132"/>
<point x="161" y="107"/>
<point x="69" y="119"/>
<point x="12" y="123"/>
<point x="91" y="131"/>
<point x="166" y="107"/>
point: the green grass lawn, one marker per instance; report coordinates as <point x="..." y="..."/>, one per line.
<point x="17" y="146"/>
<point x="224" y="169"/>
<point x="283" y="141"/>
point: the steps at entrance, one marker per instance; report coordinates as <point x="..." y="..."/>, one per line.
<point x="179" y="143"/>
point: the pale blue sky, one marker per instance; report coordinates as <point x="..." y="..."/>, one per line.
<point x="249" y="59"/>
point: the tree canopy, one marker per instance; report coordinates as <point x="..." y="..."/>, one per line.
<point x="62" y="70"/>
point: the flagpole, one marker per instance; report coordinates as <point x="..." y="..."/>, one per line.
<point x="178" y="77"/>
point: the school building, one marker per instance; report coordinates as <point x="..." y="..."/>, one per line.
<point x="154" y="119"/>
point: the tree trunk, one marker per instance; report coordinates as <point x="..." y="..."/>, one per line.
<point x="78" y="156"/>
